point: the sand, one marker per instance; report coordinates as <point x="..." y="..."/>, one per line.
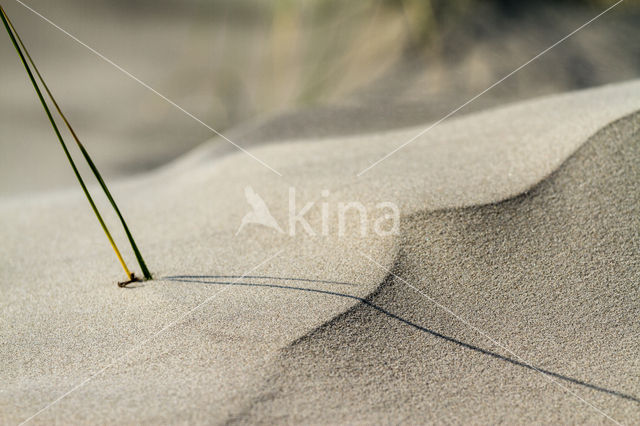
<point x="509" y="295"/>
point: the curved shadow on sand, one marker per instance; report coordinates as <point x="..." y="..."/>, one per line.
<point x="257" y="277"/>
<point x="205" y="279"/>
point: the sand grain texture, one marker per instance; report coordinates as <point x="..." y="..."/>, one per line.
<point x="523" y="220"/>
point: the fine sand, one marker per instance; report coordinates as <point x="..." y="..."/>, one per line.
<point x="509" y="295"/>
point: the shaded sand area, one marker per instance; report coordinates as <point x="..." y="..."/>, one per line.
<point x="509" y="295"/>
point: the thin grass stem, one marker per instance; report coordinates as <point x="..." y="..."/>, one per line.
<point x="10" y="31"/>
<point x="87" y="157"/>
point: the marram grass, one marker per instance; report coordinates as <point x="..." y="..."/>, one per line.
<point x="22" y="52"/>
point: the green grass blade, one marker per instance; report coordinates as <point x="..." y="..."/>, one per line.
<point x="4" y="18"/>
<point x="134" y="247"/>
<point x="87" y="157"/>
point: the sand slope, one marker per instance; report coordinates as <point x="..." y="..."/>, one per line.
<point x="516" y="269"/>
<point x="550" y="279"/>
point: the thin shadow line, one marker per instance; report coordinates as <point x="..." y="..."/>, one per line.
<point x="258" y="277"/>
<point x="412" y="324"/>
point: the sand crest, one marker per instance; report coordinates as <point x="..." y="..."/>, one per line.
<point x="522" y="220"/>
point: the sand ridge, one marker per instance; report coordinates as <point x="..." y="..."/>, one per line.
<point x="552" y="288"/>
<point x="65" y="320"/>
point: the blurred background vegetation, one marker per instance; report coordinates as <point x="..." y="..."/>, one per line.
<point x="264" y="70"/>
<point x="272" y="55"/>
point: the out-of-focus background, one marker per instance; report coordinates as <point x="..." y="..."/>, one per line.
<point x="262" y="71"/>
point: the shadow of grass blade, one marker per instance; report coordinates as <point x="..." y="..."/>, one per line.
<point x="11" y="30"/>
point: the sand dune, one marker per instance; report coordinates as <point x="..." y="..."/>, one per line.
<point x="518" y="219"/>
<point x="548" y="277"/>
